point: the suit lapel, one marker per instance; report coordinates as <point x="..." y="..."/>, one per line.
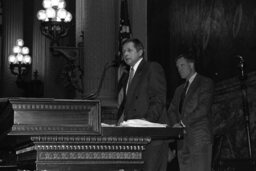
<point x="136" y="79"/>
<point x="192" y="87"/>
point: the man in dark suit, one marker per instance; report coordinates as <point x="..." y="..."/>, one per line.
<point x="146" y="99"/>
<point x="191" y="108"/>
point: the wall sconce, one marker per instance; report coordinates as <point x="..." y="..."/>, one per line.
<point x="54" y="19"/>
<point x="20" y="60"/>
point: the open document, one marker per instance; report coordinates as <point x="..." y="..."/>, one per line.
<point x="141" y="123"/>
<point x="136" y="123"/>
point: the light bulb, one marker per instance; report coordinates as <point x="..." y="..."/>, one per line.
<point x="47" y="4"/>
<point x="25" y="50"/>
<point x="58" y="19"/>
<point x="68" y="17"/>
<point x="62" y="4"/>
<point x="62" y="13"/>
<point x="50" y="13"/>
<point x="19" y="57"/>
<point x="12" y="59"/>
<point x="27" y="59"/>
<point x="55" y="3"/>
<point x="16" y="49"/>
<point x="41" y="15"/>
<point x="20" y="42"/>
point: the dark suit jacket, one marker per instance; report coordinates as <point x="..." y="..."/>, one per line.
<point x="196" y="110"/>
<point x="146" y="96"/>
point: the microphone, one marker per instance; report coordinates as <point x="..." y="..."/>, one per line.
<point x="117" y="63"/>
<point x="240" y="58"/>
<point x="114" y="63"/>
<point x="241" y="66"/>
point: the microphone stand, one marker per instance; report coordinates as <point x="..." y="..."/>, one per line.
<point x="95" y="94"/>
<point x="243" y="78"/>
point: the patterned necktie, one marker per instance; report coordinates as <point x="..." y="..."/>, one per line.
<point x="121" y="94"/>
<point x="183" y="94"/>
<point x="131" y="74"/>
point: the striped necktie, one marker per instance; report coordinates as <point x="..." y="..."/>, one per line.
<point x="183" y="94"/>
<point x="131" y="74"/>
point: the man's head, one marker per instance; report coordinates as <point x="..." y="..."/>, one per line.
<point x="186" y="65"/>
<point x="132" y="51"/>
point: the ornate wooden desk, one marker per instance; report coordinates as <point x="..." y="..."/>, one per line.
<point x="66" y="135"/>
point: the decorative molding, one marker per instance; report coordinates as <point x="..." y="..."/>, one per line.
<point x="25" y="150"/>
<point x="50" y="117"/>
<point x="38" y="128"/>
<point x="89" y="156"/>
<point x="48" y="107"/>
<point x="94" y="147"/>
<point x="72" y="73"/>
<point x="91" y="139"/>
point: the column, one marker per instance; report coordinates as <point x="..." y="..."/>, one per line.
<point x="13" y="30"/>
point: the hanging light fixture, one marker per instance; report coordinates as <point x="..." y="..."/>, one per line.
<point x="54" y="19"/>
<point x="19" y="60"/>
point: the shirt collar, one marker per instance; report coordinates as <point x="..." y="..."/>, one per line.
<point x="191" y="79"/>
<point x="135" y="66"/>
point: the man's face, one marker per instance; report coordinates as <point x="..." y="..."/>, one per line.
<point x="130" y="53"/>
<point x="185" y="68"/>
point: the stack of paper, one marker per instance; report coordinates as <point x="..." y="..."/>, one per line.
<point x="107" y="125"/>
<point x="141" y="123"/>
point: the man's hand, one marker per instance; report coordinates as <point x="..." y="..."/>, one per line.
<point x="180" y="125"/>
<point x="171" y="154"/>
<point x="177" y="125"/>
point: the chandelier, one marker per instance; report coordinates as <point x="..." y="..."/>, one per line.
<point x="19" y="60"/>
<point x="54" y="19"/>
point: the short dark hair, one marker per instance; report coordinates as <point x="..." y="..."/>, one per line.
<point x="189" y="56"/>
<point x="137" y="44"/>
